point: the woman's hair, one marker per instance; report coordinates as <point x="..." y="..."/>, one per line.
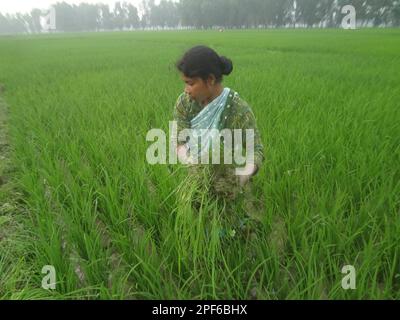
<point x="202" y="61"/>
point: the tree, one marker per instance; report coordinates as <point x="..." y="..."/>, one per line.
<point x="133" y="20"/>
<point x="207" y="14"/>
<point x="120" y="16"/>
<point x="10" y="24"/>
<point x="4" y="25"/>
<point x="395" y="12"/>
<point x="106" y="18"/>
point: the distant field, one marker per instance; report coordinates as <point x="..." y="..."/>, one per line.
<point x="78" y="194"/>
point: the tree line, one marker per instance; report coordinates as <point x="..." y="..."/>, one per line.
<point x="204" y="14"/>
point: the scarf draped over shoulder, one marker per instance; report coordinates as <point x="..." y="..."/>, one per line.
<point x="205" y="125"/>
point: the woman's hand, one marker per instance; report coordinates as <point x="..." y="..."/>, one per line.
<point x="182" y="153"/>
<point x="246" y="173"/>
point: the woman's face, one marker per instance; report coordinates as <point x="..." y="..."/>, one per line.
<point x="197" y="88"/>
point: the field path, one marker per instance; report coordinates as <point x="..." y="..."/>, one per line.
<point x="4" y="150"/>
<point x="11" y="226"/>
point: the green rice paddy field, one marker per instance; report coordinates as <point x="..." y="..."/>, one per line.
<point x="77" y="193"/>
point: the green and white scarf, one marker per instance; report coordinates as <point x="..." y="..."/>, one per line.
<point x="202" y="125"/>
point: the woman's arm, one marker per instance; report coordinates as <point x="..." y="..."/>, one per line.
<point x="181" y="116"/>
<point x="183" y="156"/>
<point x="244" y="119"/>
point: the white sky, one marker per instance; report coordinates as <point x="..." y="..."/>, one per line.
<point x="25" y="6"/>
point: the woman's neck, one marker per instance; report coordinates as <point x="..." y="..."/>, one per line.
<point x="217" y="92"/>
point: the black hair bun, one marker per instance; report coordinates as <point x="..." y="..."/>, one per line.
<point x="227" y="65"/>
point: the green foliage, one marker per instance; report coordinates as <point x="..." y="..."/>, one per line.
<point x="85" y="201"/>
<point x="205" y="14"/>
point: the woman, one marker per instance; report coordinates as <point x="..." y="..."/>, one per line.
<point x="206" y="104"/>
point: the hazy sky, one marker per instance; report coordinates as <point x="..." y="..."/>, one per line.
<point x="24" y="6"/>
